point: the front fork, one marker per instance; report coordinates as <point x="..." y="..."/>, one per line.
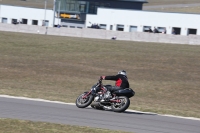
<point x="86" y="95"/>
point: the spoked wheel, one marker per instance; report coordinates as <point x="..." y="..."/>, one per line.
<point x="122" y="105"/>
<point x="84" y="102"/>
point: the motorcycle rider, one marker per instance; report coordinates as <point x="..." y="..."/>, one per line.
<point x="121" y="83"/>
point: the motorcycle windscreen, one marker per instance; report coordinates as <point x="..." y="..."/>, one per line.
<point x="125" y="92"/>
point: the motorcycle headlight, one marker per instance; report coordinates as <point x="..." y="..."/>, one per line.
<point x="93" y="88"/>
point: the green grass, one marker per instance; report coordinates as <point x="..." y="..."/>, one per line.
<point x="171" y="2"/>
<point x="179" y="10"/>
<point x="183" y="9"/>
<point x="21" y="126"/>
<point x="165" y="77"/>
<point x="28" y="3"/>
<point x="40" y="4"/>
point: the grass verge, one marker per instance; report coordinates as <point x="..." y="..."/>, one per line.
<point x="40" y="4"/>
<point x="181" y="9"/>
<point x="165" y="77"/>
<point x="21" y="126"/>
<point x="171" y="2"/>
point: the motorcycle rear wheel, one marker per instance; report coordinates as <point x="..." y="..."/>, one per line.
<point x="122" y="106"/>
<point x="83" y="103"/>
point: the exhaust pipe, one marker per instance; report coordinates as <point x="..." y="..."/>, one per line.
<point x="96" y="104"/>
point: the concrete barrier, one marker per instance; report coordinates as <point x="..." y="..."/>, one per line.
<point x="103" y="34"/>
<point x="73" y="32"/>
<point x="178" y="39"/>
<point x="6" y="27"/>
<point x="94" y="33"/>
<point x="41" y="30"/>
<point x="119" y="34"/>
<point x="53" y="31"/>
<point x="194" y="40"/>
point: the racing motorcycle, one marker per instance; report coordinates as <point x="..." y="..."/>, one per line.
<point x="118" y="103"/>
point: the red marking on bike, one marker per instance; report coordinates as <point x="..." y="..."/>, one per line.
<point x="86" y="95"/>
<point x="117" y="101"/>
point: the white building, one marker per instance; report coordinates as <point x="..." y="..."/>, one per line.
<point x="141" y="21"/>
<point x="26" y="15"/>
<point x="107" y="18"/>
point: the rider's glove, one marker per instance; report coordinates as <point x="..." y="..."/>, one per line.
<point x="102" y="77"/>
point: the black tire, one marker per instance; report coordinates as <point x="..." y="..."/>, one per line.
<point x="83" y="103"/>
<point x="121" y="107"/>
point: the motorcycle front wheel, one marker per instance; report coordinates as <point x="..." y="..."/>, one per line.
<point x="122" y="105"/>
<point x="83" y="102"/>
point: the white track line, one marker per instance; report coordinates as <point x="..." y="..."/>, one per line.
<point x="43" y="100"/>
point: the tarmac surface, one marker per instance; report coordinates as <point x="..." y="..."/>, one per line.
<point x="64" y="113"/>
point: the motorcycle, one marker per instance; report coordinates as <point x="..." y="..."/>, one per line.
<point x="118" y="103"/>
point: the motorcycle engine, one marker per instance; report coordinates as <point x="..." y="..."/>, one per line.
<point x="97" y="98"/>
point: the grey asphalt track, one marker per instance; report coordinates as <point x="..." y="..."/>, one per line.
<point x="69" y="114"/>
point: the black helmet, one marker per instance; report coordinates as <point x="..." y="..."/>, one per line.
<point x="122" y="72"/>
